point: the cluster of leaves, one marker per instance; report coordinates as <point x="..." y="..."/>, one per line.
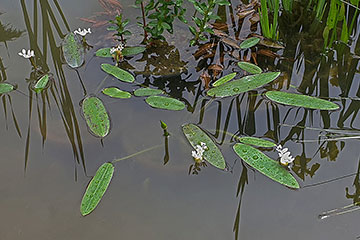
<point x="206" y="12"/>
<point x="161" y="15"/>
<point x="119" y="25"/>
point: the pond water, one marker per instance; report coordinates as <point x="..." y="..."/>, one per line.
<point x="48" y="155"/>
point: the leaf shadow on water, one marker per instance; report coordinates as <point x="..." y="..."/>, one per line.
<point x="59" y="91"/>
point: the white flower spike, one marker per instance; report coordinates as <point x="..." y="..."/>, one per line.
<point x="82" y="32"/>
<point x="119" y="48"/>
<point x="27" y="54"/>
<point x="285" y="157"/>
<point x="198" y="154"/>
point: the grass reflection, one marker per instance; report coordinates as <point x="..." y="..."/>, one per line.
<point x="51" y="30"/>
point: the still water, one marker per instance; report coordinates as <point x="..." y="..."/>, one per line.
<point x="48" y="156"/>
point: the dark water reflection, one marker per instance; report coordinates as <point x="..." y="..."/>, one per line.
<point x="49" y="156"/>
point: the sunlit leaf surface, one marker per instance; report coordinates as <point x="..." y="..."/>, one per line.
<point x="73" y="50"/>
<point x="224" y="79"/>
<point x="117" y="72"/>
<point x="96" y="188"/>
<point x="243" y="84"/>
<point x="249" y="67"/>
<point x="265" y="165"/>
<point x="96" y="116"/>
<point x="256" y="141"/>
<point x="195" y="136"/>
<point x="299" y="100"/>
<point x="165" y="103"/>
<point x="250" y="42"/>
<point x="116" y="93"/>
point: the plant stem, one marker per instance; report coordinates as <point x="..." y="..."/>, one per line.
<point x="144" y="20"/>
<point x="137" y="153"/>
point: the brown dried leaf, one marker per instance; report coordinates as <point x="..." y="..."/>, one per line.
<point x="243" y="13"/>
<point x="205" y="78"/>
<point x="204" y="49"/>
<point x="268" y="53"/>
<point x="230" y="42"/>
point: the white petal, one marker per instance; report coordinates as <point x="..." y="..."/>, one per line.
<point x="23" y="51"/>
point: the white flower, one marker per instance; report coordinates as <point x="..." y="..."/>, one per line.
<point x="199" y="151"/>
<point x="285" y="157"/>
<point x="82" y="32"/>
<point x="28" y="54"/>
<point x="119" y="48"/>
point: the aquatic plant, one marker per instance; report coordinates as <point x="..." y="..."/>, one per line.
<point x="29" y="54"/>
<point x="269" y="30"/>
<point x="206" y="11"/>
<point x="119" y="25"/>
<point x="160" y="15"/>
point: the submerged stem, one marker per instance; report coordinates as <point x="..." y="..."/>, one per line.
<point x="137" y="153"/>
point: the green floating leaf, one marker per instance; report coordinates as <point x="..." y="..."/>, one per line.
<point x="249" y="67"/>
<point x="250" y="42"/>
<point x="224" y="79"/>
<point x="6" y="88"/>
<point x="41" y="83"/>
<point x="256" y="141"/>
<point x="195" y="136"/>
<point x="126" y="52"/>
<point x="165" y="103"/>
<point x="116" y="93"/>
<point x="265" y="165"/>
<point x="299" y="100"/>
<point x="117" y="72"/>
<point x="141" y="92"/>
<point x="96" y="116"/>
<point x="73" y="50"/>
<point x="130" y="51"/>
<point x="96" y="188"/>
<point x="243" y="84"/>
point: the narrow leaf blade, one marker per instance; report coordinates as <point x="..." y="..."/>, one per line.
<point x="117" y="72"/>
<point x="96" y="188"/>
<point x="300" y="100"/>
<point x="141" y="92"/>
<point x="256" y="141"/>
<point x="244" y="84"/>
<point x="224" y="79"/>
<point x="165" y="103"/>
<point x="249" y="67"/>
<point x="265" y="165"/>
<point x="6" y="88"/>
<point x="115" y="92"/>
<point x="250" y="42"/>
<point x="195" y="136"/>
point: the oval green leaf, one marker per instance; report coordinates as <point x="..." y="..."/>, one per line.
<point x="249" y="67"/>
<point x="243" y="84"/>
<point x="256" y="141"/>
<point x="117" y="72"/>
<point x="126" y="52"/>
<point x="96" y="188"/>
<point x="195" y="136"/>
<point x="73" y="50"/>
<point x="130" y="51"/>
<point x="224" y="79"/>
<point x="96" y="116"/>
<point x="6" y="88"/>
<point x="265" y="165"/>
<point x="41" y="83"/>
<point x="165" y="103"/>
<point x="116" y="93"/>
<point x="250" y="42"/>
<point x="141" y="92"/>
<point x="299" y="100"/>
